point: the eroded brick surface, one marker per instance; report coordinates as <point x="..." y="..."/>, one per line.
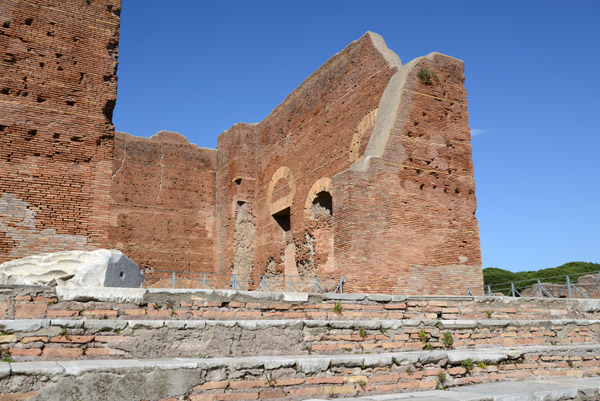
<point x="57" y="93"/>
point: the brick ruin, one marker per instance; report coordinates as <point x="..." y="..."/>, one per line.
<point x="363" y="172"/>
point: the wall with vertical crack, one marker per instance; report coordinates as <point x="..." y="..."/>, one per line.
<point x="163" y="202"/>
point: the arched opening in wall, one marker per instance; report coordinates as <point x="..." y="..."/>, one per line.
<point x="322" y="206"/>
<point x="316" y="250"/>
<point x="284" y="219"/>
<point x="280" y="196"/>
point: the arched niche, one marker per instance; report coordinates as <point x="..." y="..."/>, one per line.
<point x="319" y="193"/>
<point x="367" y="122"/>
<point x="280" y="208"/>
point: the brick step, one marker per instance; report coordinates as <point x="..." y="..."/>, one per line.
<point x="124" y="303"/>
<point x="40" y="339"/>
<point x="291" y="377"/>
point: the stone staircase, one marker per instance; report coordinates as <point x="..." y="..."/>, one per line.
<point x="134" y="344"/>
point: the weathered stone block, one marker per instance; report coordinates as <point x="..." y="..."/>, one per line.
<point x="100" y="268"/>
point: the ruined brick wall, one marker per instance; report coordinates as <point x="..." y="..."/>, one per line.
<point x="403" y="219"/>
<point x="407" y="214"/>
<point x="163" y="202"/>
<point x="364" y="171"/>
<point x="57" y="93"/>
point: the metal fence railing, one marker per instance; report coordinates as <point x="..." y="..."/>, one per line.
<point x="242" y="282"/>
<point x="565" y="286"/>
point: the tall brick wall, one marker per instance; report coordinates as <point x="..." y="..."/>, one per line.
<point x="163" y="202"/>
<point x="406" y="218"/>
<point x="297" y="148"/>
<point x="392" y="151"/>
<point x="57" y="92"/>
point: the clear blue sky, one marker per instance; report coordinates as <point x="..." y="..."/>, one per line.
<point x="532" y="76"/>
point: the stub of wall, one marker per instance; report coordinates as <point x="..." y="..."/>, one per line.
<point x="150" y="304"/>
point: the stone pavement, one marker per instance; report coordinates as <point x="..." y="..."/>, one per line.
<point x="582" y="389"/>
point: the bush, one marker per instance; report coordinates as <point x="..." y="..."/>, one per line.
<point x="494" y="275"/>
<point x="448" y="340"/>
<point x="468" y="365"/>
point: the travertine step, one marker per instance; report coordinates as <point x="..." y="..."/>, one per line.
<point x="291" y="377"/>
<point x="41" y="339"/>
